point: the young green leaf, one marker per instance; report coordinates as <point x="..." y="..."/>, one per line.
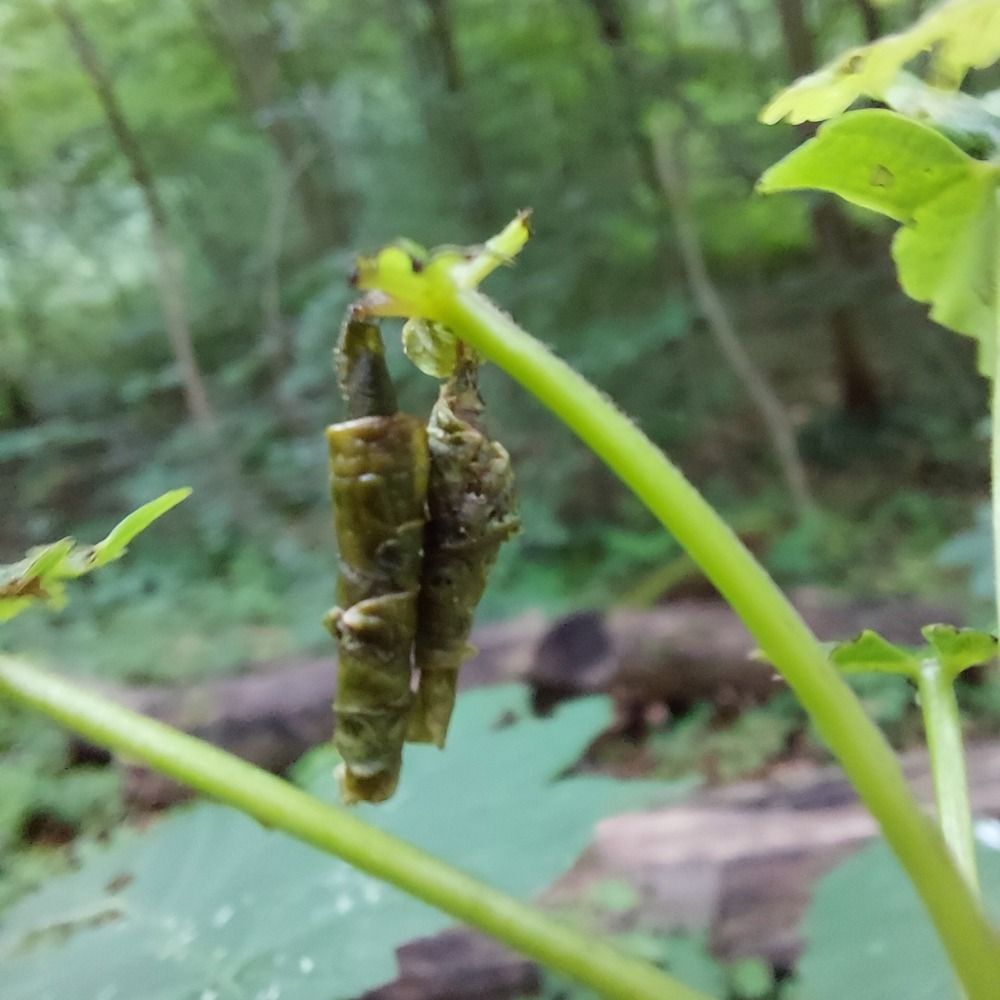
<point x="115" y="545"/>
<point x="959" y="648"/>
<point x="400" y="282"/>
<point x="41" y="574"/>
<point x="947" y="258"/>
<point x="870" y="652"/>
<point x="960" y="35"/>
<point x="878" y="160"/>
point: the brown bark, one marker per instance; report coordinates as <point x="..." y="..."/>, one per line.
<point x="169" y="263"/>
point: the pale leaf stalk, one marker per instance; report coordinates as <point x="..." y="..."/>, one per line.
<point x="972" y="945"/>
<point x="280" y="806"/>
<point x="943" y="727"/>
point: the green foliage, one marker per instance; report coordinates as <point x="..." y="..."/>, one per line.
<point x="42" y="574"/>
<point x="971" y="550"/>
<point x="960" y="35"/>
<point x="955" y="649"/>
<point x="866" y="935"/>
<point x="738" y="749"/>
<point x="946" y="252"/>
<point x="687" y="958"/>
<point x="871" y="653"/>
<point x="252" y="910"/>
<point x="195" y="620"/>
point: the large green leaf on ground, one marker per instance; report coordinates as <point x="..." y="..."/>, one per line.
<point x="946" y="253"/>
<point x="867" y="936"/>
<point x="41" y="575"/>
<point x="210" y="906"/>
<point x="960" y="35"/>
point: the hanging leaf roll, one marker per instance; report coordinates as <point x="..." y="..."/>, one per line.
<point x="471" y="512"/>
<point x="378" y="480"/>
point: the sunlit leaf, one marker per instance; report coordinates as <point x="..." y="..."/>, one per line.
<point x="960" y="35"/>
<point x="41" y="575"/>
<point x="947" y="258"/>
<point x="878" y="160"/>
<point x="946" y="254"/>
<point x="870" y="652"/>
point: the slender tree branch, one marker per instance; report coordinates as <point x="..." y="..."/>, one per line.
<point x="710" y="301"/>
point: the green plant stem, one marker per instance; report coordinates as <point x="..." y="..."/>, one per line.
<point x="943" y="727"/>
<point x="995" y="444"/>
<point x="280" y="806"/>
<point x="972" y="945"/>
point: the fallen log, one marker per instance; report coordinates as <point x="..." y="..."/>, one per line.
<point x="696" y="650"/>
<point x="690" y="651"/>
<point x="277" y="710"/>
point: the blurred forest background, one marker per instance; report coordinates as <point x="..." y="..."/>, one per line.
<point x="184" y="184"/>
<point x="183" y="187"/>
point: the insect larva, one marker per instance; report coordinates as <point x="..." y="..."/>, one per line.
<point x="471" y="512"/>
<point x="378" y="481"/>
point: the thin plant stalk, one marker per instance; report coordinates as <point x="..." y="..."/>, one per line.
<point x="280" y="806"/>
<point x="943" y="726"/>
<point x="709" y="299"/>
<point x="995" y="445"/>
<point x="972" y="945"/>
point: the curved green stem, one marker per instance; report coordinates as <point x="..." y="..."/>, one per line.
<point x="943" y="727"/>
<point x="995" y="441"/>
<point x="281" y="806"/>
<point x="972" y="945"/>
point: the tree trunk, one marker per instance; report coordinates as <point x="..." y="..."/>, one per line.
<point x="440" y="78"/>
<point x="710" y="302"/>
<point x="613" y="28"/>
<point x="246" y="40"/>
<point x="661" y="172"/>
<point x="859" y="385"/>
<point x="169" y="263"/>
